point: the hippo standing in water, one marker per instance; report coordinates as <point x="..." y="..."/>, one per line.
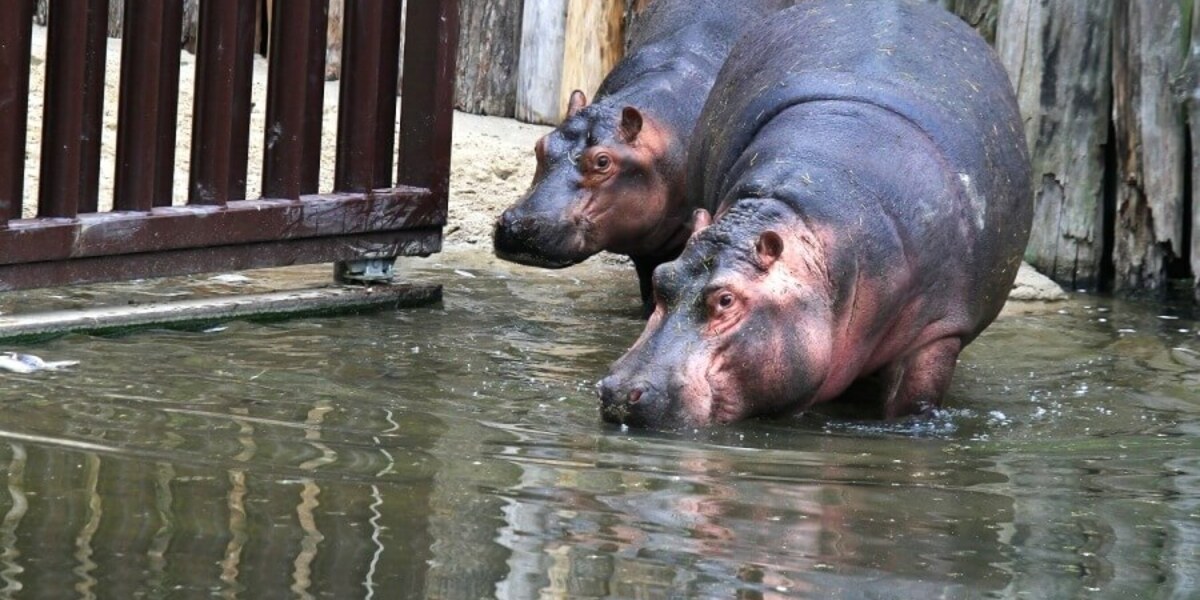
<point x="874" y="199"/>
<point x="611" y="177"/>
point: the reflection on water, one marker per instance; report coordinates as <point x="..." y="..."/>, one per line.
<point x="456" y="452"/>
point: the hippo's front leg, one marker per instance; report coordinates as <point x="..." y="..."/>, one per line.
<point x="917" y="382"/>
<point x="645" y="271"/>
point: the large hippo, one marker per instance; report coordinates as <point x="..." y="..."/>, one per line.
<point x="874" y="199"/>
<point x="611" y="176"/>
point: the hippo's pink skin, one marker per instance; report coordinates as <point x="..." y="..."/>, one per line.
<point x="873" y="196"/>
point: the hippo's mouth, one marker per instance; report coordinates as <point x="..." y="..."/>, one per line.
<point x="537" y="260"/>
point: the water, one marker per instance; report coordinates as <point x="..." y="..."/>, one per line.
<point x="457" y="452"/>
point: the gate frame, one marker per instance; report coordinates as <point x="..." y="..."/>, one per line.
<point x="368" y="215"/>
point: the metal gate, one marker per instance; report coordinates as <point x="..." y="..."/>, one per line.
<point x="369" y="213"/>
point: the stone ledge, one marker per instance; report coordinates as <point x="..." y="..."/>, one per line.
<point x="207" y="312"/>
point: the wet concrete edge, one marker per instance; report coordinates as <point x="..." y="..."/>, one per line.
<point x="203" y="313"/>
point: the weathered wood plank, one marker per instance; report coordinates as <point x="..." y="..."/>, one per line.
<point x="593" y="44"/>
<point x="487" y="58"/>
<point x="1148" y="120"/>
<point x="540" y="68"/>
<point x="1059" y="57"/>
<point x="1193" y="109"/>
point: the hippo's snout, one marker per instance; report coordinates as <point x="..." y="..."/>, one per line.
<point x="535" y="241"/>
<point x="632" y="404"/>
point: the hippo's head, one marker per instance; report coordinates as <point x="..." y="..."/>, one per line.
<point x="741" y="326"/>
<point x="608" y="178"/>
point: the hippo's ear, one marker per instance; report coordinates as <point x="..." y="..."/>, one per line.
<point x="701" y="219"/>
<point x="631" y="124"/>
<point x="769" y="248"/>
<point x="576" y="103"/>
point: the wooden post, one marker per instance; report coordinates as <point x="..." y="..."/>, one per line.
<point x="487" y="58"/>
<point x="594" y="43"/>
<point x="540" y="68"/>
<point x="1148" y="121"/>
<point x="1059" y="57"/>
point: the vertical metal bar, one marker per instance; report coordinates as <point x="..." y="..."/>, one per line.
<point x="96" y="52"/>
<point x="16" y="32"/>
<point x="221" y="118"/>
<point x="367" y="110"/>
<point x="427" y="107"/>
<point x="295" y="98"/>
<point x="149" y="102"/>
<point x="69" y="110"/>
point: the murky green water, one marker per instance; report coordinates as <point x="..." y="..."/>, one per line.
<point x="456" y="452"/>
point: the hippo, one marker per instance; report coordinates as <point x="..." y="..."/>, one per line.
<point x="611" y="177"/>
<point x="874" y="198"/>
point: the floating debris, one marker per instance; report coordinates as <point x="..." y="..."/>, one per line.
<point x="230" y="278"/>
<point x="462" y="273"/>
<point x="28" y="363"/>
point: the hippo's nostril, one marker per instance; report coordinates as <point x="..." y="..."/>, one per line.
<point x="635" y="396"/>
<point x="505" y="220"/>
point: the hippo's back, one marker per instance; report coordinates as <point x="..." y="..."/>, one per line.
<point x="676" y="49"/>
<point x="909" y="58"/>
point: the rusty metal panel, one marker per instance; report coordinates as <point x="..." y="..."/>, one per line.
<point x="295" y="98"/>
<point x="367" y="117"/>
<point x="149" y="104"/>
<point x="427" y="118"/>
<point x="221" y="116"/>
<point x="16" y="26"/>
<point x="70" y="67"/>
<point x="240" y="222"/>
<point x="420" y="242"/>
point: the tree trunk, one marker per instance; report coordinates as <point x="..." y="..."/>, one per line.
<point x="540" y="67"/>
<point x="487" y="56"/>
<point x="983" y="15"/>
<point x="1059" y="57"/>
<point x="1148" y="120"/>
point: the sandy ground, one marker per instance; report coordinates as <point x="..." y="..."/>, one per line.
<point x="492" y="159"/>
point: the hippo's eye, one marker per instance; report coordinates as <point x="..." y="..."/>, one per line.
<point x="720" y="303"/>
<point x="603" y="163"/>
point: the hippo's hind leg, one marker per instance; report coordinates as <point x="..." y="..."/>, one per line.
<point x="917" y="382"/>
